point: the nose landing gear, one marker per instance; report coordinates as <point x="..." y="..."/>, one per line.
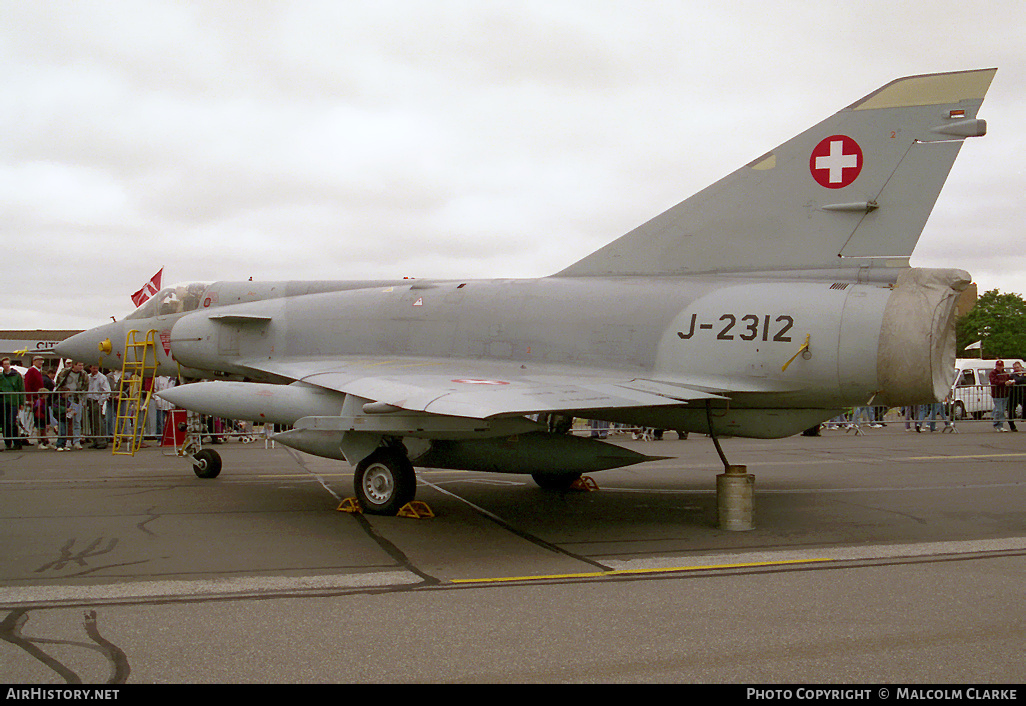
<point x="208" y="463"/>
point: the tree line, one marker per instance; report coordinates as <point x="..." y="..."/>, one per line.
<point x="998" y="320"/>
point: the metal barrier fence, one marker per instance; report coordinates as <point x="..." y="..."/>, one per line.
<point x="62" y="419"/>
<point x="73" y="420"/>
<point x="976" y="402"/>
<point x="967" y="404"/>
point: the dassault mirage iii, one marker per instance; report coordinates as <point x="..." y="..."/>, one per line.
<point x="758" y="307"/>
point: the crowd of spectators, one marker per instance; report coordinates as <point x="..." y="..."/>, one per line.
<point x="66" y="408"/>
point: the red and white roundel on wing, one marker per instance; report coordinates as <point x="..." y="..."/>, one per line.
<point x="474" y="381"/>
<point x="836" y="162"/>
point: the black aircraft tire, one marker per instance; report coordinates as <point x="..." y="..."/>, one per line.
<point x="555" y="481"/>
<point x="384" y="482"/>
<point x="208" y="464"/>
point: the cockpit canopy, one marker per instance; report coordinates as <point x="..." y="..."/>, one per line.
<point x="176" y="299"/>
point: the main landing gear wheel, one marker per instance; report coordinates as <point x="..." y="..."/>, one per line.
<point x="555" y="481"/>
<point x="208" y="463"/>
<point x="384" y="482"/>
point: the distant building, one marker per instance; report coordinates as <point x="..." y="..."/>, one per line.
<point x="22" y="346"/>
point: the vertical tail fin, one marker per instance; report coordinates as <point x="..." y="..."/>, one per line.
<point x="860" y="185"/>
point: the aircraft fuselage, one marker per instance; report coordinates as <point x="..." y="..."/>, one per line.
<point x="713" y="333"/>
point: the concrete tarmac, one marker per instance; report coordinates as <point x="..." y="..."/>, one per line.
<point x="887" y="556"/>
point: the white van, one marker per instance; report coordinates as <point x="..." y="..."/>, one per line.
<point x="970" y="394"/>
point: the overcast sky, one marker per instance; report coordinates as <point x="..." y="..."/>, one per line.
<point x="462" y="138"/>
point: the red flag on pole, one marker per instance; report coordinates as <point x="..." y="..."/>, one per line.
<point x="149" y="289"/>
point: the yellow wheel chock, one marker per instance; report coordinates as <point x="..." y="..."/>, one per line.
<point x="350" y="505"/>
<point x="584" y="483"/>
<point x="415" y="509"/>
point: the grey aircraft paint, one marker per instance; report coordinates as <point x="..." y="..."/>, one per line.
<point x="762" y="305"/>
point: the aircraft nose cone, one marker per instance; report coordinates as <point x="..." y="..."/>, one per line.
<point x="78" y="346"/>
<point x="92" y="346"/>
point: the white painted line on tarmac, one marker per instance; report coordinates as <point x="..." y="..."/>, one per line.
<point x="825" y="490"/>
<point x="203" y="588"/>
<point x="842" y="553"/>
<point x="11" y="597"/>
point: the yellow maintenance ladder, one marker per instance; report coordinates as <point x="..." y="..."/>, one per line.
<point x="133" y="402"/>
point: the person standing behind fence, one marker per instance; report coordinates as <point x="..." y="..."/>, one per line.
<point x="99" y="393"/>
<point x="911" y="417"/>
<point x="933" y="412"/>
<point x="1017" y="395"/>
<point x="150" y="422"/>
<point x="1000" y="385"/>
<point x="116" y="405"/>
<point x="33" y="384"/>
<point x="44" y="408"/>
<point x="12" y="391"/>
<point x="160" y="384"/>
<point x="71" y="383"/>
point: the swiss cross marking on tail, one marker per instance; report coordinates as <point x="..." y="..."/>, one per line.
<point x="836" y="162"/>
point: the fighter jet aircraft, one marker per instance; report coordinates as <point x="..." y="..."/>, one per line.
<point x="758" y="307"/>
